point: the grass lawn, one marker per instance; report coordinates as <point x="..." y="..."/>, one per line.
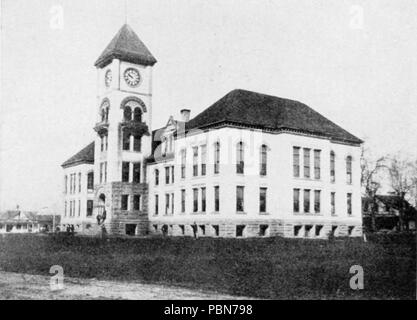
<point x="273" y="268"/>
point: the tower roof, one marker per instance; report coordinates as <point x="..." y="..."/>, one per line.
<point x="126" y="46"/>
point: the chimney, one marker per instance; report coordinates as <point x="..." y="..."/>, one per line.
<point x="185" y="115"/>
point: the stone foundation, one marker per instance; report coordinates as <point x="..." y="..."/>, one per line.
<point x="259" y="228"/>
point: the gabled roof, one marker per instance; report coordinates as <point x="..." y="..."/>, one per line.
<point x="17" y="215"/>
<point x="86" y="155"/>
<point x="126" y="46"/>
<point x="256" y="110"/>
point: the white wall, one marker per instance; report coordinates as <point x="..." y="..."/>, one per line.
<point x="82" y="196"/>
<point x="279" y="180"/>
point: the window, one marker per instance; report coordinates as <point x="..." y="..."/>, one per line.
<point x="183" y="162"/>
<point x="240" y="161"/>
<point x="333" y="203"/>
<point x="70" y="184"/>
<point x="125" y="171"/>
<point x="65" y="209"/>
<point x="166" y="203"/>
<point x="217" y="199"/>
<point x="296" y="162"/>
<point x="203" y="199"/>
<point x="101" y="172"/>
<point x="262" y="200"/>
<point x="89" y="208"/>
<point x="166" y="175"/>
<point x="217" y="157"/>
<point x="263" y="230"/>
<point x="101" y="143"/>
<point x="106" y="143"/>
<point x="195" y="200"/>
<point x="240" y="199"/>
<point x="103" y="115"/>
<point x="137" y="115"/>
<point x="105" y="171"/>
<point x="136" y="172"/>
<point x="306" y="163"/>
<point x="172" y="174"/>
<point x="306" y="201"/>
<point x="332" y="167"/>
<point x="136" y="202"/>
<point x="317" y="160"/>
<point x="203" y="160"/>
<point x="126" y="141"/>
<point x="349" y="204"/>
<point x="127" y="114"/>
<point x="79" y="208"/>
<point x="296" y="200"/>
<point x="90" y="181"/>
<point x="156" y="204"/>
<point x="125" y="202"/>
<point x="195" y="161"/>
<point x="263" y="162"/>
<point x="156" y="177"/>
<point x="172" y="203"/>
<point x="137" y="144"/>
<point x="216" y="230"/>
<point x="66" y="184"/>
<point x="317" y="194"/>
<point x="239" y="230"/>
<point x="349" y="169"/>
<point x="183" y="201"/>
<point x="79" y="182"/>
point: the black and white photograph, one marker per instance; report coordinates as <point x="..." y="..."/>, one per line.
<point x="227" y="151"/>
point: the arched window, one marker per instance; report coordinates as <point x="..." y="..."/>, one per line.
<point x="332" y="166"/>
<point x="137" y="115"/>
<point x="103" y="115"/>
<point x="240" y="160"/>
<point x="349" y="169"/>
<point x="217" y="157"/>
<point x="263" y="162"/>
<point x="127" y="114"/>
<point x="107" y="114"/>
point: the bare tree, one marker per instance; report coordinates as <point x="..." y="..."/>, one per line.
<point x="370" y="181"/>
<point x="402" y="177"/>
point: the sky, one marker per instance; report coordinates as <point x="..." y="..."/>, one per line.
<point x="354" y="62"/>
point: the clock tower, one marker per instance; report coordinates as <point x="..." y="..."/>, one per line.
<point x="124" y="134"/>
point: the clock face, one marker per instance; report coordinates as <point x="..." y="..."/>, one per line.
<point x="108" y="78"/>
<point x="132" y="77"/>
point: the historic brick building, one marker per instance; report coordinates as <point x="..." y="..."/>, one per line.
<point x="249" y="165"/>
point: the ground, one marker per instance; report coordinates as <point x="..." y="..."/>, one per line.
<point x="16" y="286"/>
<point x="270" y="268"/>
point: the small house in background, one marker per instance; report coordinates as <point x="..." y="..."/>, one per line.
<point x="388" y="212"/>
<point x="16" y="221"/>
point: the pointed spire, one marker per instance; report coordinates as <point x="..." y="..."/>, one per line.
<point x="126" y="46"/>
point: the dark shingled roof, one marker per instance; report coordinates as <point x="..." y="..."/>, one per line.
<point x="126" y="46"/>
<point x="256" y="110"/>
<point x="86" y="155"/>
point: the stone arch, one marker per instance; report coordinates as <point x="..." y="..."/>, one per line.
<point x="134" y="99"/>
